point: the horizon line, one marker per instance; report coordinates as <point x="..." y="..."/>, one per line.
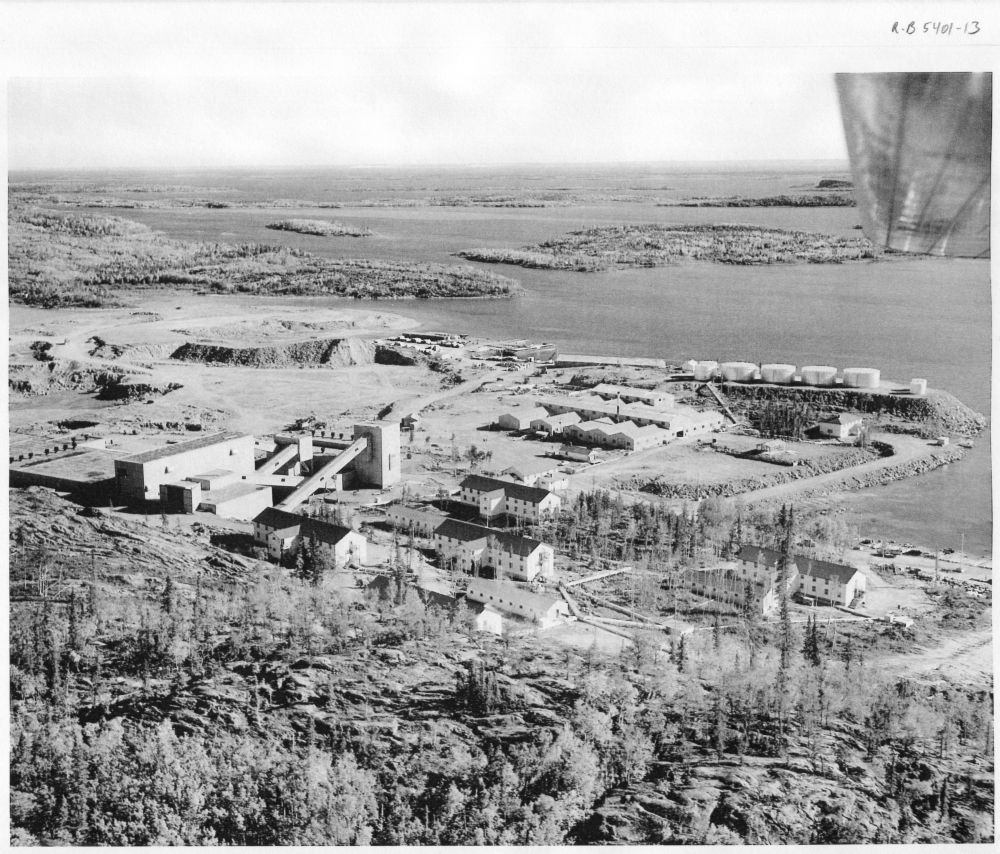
<point x="468" y="165"/>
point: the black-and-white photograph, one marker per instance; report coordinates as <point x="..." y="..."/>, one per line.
<point x="560" y="440"/>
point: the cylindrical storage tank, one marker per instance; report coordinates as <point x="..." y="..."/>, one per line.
<point x="918" y="387"/>
<point x="777" y="373"/>
<point x="818" y="375"/>
<point x="861" y="377"/>
<point x="739" y="372"/>
<point x="705" y="370"/>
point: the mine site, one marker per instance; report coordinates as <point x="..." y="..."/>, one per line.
<point x="508" y="505"/>
<point x="566" y="506"/>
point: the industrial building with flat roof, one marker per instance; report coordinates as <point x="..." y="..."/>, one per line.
<point x="139" y="476"/>
<point x="88" y="472"/>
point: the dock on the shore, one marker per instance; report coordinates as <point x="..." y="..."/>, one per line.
<point x="575" y="361"/>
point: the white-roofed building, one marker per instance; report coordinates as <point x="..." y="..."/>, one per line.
<point x="841" y="426"/>
<point x="552" y="424"/>
<point x="520" y="420"/>
<point x="531" y="470"/>
<point x="628" y="394"/>
<point x="514" y="601"/>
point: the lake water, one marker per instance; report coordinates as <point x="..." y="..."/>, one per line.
<point x="917" y="317"/>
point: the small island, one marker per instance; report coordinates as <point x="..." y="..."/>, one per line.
<point x="657" y="245"/>
<point x="835" y="184"/>
<point x="821" y="200"/>
<point x="320" y="228"/>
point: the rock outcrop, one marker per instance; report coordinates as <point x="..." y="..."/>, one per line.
<point x="334" y="352"/>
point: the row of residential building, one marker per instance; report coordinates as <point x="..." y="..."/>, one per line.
<point x="472" y="547"/>
<point x="494" y="497"/>
<point x="679" y="421"/>
<point x="755" y="581"/>
<point x="595" y="420"/>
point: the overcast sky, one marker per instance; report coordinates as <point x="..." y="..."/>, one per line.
<point x="506" y="107"/>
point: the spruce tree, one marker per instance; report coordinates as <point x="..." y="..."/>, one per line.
<point x="810" y="648"/>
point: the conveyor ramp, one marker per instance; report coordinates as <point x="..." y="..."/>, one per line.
<point x="321" y="477"/>
<point x="286" y="455"/>
<point x="722" y="402"/>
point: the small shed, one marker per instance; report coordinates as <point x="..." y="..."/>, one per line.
<point x="489" y="620"/>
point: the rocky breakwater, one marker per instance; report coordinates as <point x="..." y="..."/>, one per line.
<point x="911" y="468"/>
<point x="738" y="486"/>
<point x="332" y="352"/>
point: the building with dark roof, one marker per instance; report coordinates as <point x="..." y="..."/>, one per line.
<point x="495" y="497"/>
<point x="419" y="521"/>
<point x="283" y="533"/>
<point x="731" y="588"/>
<point x="830" y="583"/>
<point x="138" y="476"/>
<point x="473" y="547"/>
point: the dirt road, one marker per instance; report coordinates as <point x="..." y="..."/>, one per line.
<point x="411" y="405"/>
<point x="964" y="658"/>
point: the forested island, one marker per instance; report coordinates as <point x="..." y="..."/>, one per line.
<point x="821" y="200"/>
<point x="319" y="228"/>
<point x="69" y="259"/>
<point x="656" y="245"/>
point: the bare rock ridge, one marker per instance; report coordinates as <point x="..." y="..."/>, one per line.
<point x="52" y="377"/>
<point x="336" y="352"/>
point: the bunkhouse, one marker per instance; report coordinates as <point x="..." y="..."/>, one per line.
<point x="761" y="566"/>
<point x="731" y="588"/>
<point x="830" y="583"/>
<point x="419" y="521"/>
<point x="473" y="547"/>
<point x="495" y="497"/>
<point x="283" y="533"/>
